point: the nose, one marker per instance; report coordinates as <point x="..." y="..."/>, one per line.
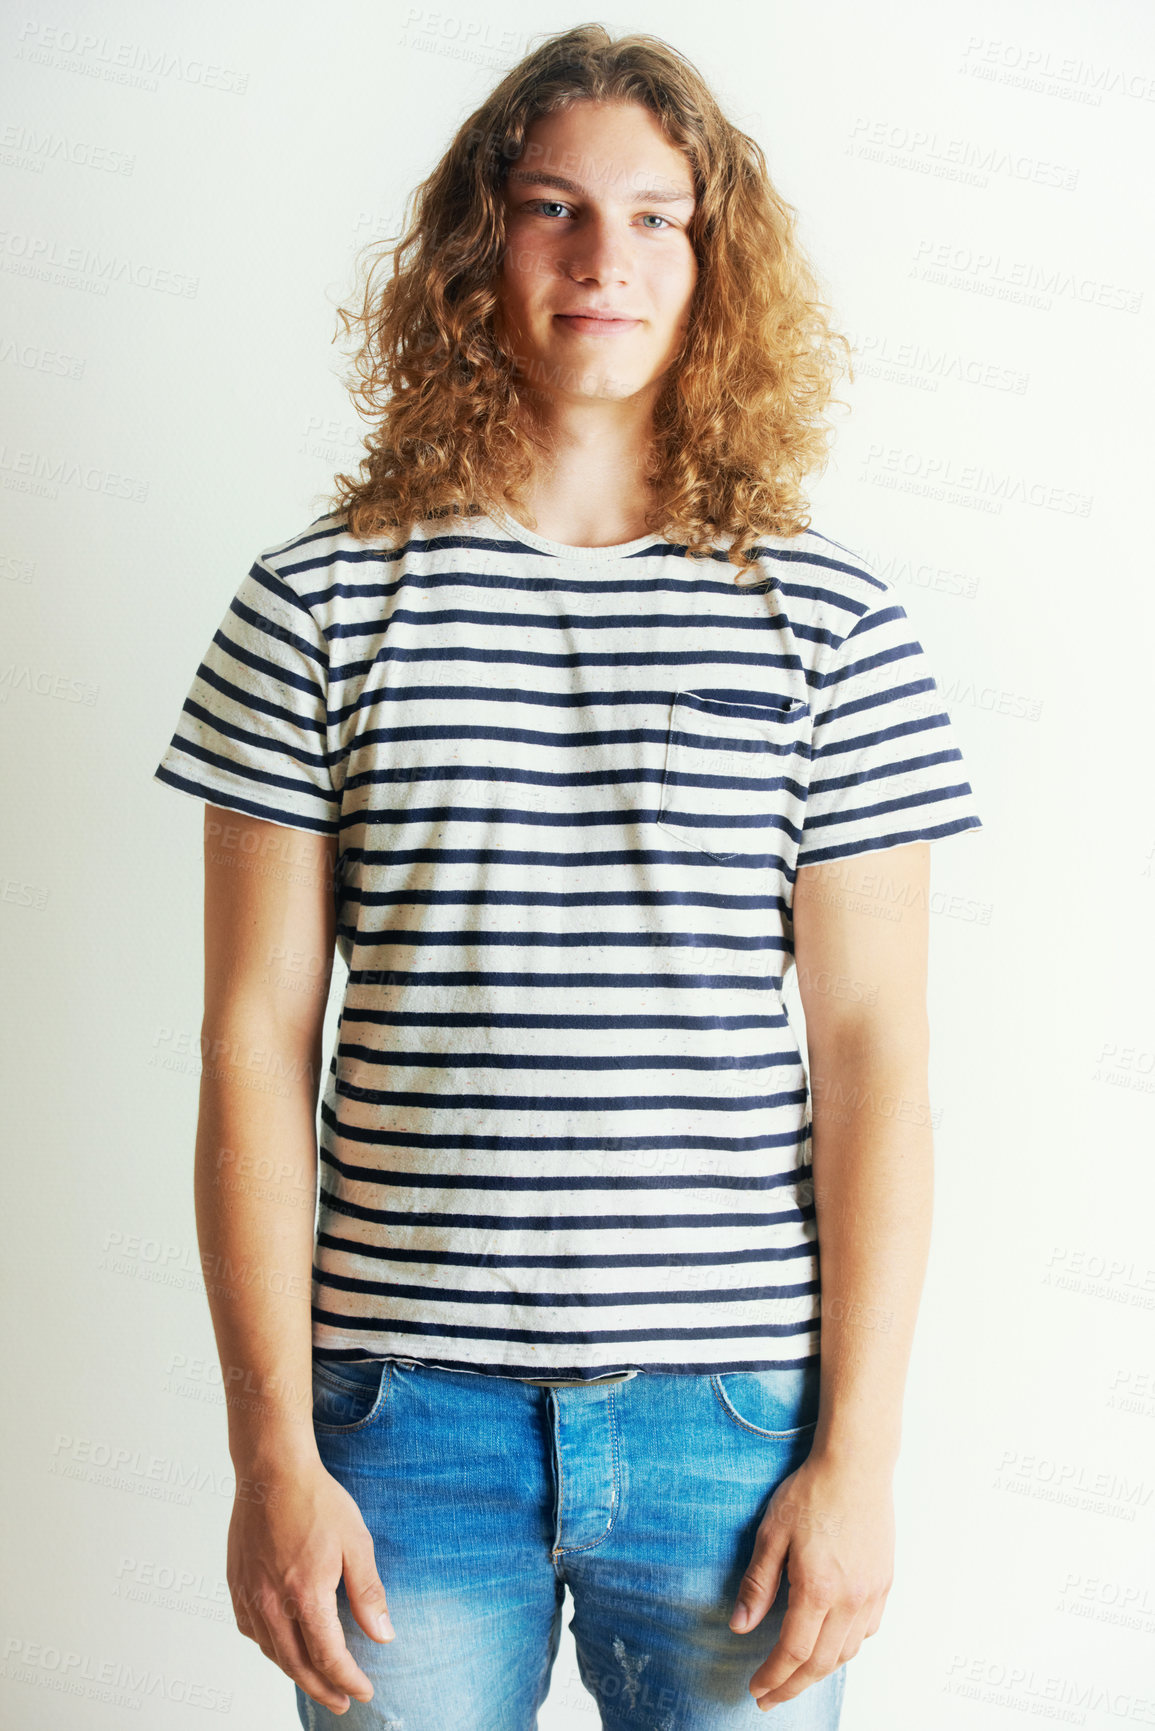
<point x="599" y="253"/>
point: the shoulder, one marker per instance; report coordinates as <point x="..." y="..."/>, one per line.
<point x="326" y="571"/>
<point x="326" y="550"/>
<point x="825" y="587"/>
<point x="297" y="558"/>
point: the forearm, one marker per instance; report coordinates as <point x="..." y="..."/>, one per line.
<point x="873" y="1193"/>
<point x="255" y="1185"/>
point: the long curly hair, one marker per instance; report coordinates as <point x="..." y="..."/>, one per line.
<point x="738" y="422"/>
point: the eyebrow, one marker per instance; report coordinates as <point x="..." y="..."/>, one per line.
<point x="649" y="195"/>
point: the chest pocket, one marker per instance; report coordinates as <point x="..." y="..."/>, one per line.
<point x="735" y="777"/>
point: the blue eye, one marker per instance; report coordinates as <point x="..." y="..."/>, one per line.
<point x="542" y="203"/>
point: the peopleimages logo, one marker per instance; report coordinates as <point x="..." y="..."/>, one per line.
<point x="120" y="62"/>
<point x="926" y="152"/>
<point x="1027" y="66"/>
<point x="81" y="266"/>
<point x="923" y="365"/>
<point x="1019" y="280"/>
<point x="1022" y="1689"/>
<point x="940" y="477"/>
<point x="124" y="1683"/>
<point x="50" y="472"/>
<point x="25" y="147"/>
<point x="35" y="359"/>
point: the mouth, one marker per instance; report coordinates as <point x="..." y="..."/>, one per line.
<point x="596" y="322"/>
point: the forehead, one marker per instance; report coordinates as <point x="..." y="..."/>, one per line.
<point x="611" y="151"/>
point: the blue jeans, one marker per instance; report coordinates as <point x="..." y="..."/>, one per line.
<point x="486" y="1496"/>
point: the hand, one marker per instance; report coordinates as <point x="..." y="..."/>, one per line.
<point x="287" y="1552"/>
<point x="834" y="1527"/>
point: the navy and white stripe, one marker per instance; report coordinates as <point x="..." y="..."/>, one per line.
<point x="566" y="1124"/>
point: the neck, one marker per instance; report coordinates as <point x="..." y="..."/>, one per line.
<point x="590" y="487"/>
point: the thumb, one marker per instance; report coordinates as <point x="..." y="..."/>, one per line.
<point x="759" y="1585"/>
<point x="367" y="1600"/>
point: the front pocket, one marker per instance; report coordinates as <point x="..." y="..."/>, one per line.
<point x="345" y="1397"/>
<point x="777" y="1404"/>
<point x="735" y="776"/>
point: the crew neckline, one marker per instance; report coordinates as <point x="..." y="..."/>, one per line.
<point x="562" y="549"/>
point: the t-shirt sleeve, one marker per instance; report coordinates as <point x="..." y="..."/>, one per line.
<point x="253" y="733"/>
<point x="885" y="766"/>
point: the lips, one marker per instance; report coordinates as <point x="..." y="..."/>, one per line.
<point x="597" y="321"/>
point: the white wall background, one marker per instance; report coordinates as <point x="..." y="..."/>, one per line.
<point x="974" y="183"/>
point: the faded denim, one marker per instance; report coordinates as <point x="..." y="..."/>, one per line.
<point x="486" y="1496"/>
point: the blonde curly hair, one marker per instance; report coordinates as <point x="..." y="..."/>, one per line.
<point x="739" y="419"/>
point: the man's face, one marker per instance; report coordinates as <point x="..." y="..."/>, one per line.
<point x="598" y="209"/>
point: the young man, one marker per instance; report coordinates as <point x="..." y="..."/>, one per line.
<point x="569" y="802"/>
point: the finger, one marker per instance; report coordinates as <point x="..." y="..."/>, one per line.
<point x="252" y="1625"/>
<point x="797" y="1638"/>
<point x="759" y="1585"/>
<point x="876" y="1615"/>
<point x="323" y="1642"/>
<point x="825" y="1656"/>
<point x="824" y="1659"/>
<point x="859" y="1629"/>
<point x="291" y="1654"/>
<point x="264" y="1640"/>
<point x="366" y="1596"/>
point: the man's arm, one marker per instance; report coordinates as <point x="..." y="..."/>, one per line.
<point x="266" y="901"/>
<point x="860" y="948"/>
<point x="269" y="942"/>
<point x="861" y="938"/>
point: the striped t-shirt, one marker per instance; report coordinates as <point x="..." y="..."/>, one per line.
<point x="566" y="1125"/>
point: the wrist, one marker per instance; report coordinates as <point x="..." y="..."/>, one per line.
<point x="863" y="1457"/>
<point x="278" y="1445"/>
